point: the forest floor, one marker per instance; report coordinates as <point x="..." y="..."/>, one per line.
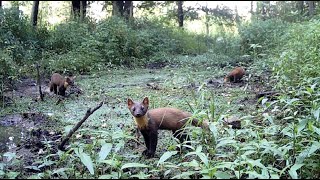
<point x="28" y="125"/>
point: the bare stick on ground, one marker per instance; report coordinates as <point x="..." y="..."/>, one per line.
<point x="89" y="112"/>
<point x="268" y="93"/>
<point x="39" y="82"/>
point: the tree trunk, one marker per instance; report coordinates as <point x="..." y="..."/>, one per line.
<point x="117" y="8"/>
<point x="180" y="13"/>
<point x="76" y="9"/>
<point x="34" y="14"/>
<point x="263" y="10"/>
<point x="128" y="9"/>
<point x="300" y="6"/>
<point x="311" y="7"/>
<point x="251" y="8"/>
<point x="268" y="8"/>
<point x="0" y="4"/>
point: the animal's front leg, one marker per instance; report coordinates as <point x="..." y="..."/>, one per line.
<point x="146" y="141"/>
<point x="152" y="144"/>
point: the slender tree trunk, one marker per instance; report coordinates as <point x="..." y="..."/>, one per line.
<point x="117" y="8"/>
<point x="0" y="4"/>
<point x="76" y="9"/>
<point x="128" y="9"/>
<point x="251" y="8"/>
<point x="300" y="6"/>
<point x="311" y="7"/>
<point x="34" y="14"/>
<point x="263" y="9"/>
<point x="81" y="11"/>
<point x="268" y="8"/>
<point x="180" y="13"/>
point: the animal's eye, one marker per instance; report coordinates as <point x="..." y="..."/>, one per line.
<point x="133" y="109"/>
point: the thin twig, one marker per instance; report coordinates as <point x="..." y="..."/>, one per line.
<point x="89" y="112"/>
<point x="39" y="82"/>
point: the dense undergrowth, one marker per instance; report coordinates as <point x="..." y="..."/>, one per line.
<point x="279" y="139"/>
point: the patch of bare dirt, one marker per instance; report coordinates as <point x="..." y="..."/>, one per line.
<point x="27" y="135"/>
<point x="27" y="87"/>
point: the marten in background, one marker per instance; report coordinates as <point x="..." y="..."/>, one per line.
<point x="149" y="122"/>
<point x="235" y="75"/>
<point x="59" y="84"/>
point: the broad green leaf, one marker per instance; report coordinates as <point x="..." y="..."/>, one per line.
<point x="113" y="175"/>
<point x="12" y="174"/>
<point x="254" y="174"/>
<point x="264" y="101"/>
<point x="316" y="114"/>
<point x="46" y="163"/>
<point x="141" y="175"/>
<point x="226" y="142"/>
<point x="61" y="171"/>
<point x="307" y="152"/>
<point x="302" y="125"/>
<point x="199" y="149"/>
<point x="130" y="165"/>
<point x="105" y="150"/>
<point x="249" y="152"/>
<point x="293" y="170"/>
<point x="184" y="175"/>
<point x="274" y="176"/>
<point x="203" y="158"/>
<point x="317" y="130"/>
<point x="9" y="155"/>
<point x="86" y="160"/>
<point x="287" y="131"/>
<point x="214" y="130"/>
<point x="67" y="129"/>
<point x="34" y="177"/>
<point x="166" y="156"/>
<point x="222" y="175"/>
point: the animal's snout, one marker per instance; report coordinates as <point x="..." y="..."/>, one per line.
<point x="138" y="114"/>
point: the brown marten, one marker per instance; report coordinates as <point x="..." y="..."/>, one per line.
<point x="59" y="84"/>
<point x="235" y="75"/>
<point x="149" y="121"/>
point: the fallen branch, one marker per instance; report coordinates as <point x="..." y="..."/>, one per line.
<point x="89" y="112"/>
<point x="268" y="93"/>
<point x="39" y="82"/>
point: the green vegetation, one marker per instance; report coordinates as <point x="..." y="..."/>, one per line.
<point x="279" y="135"/>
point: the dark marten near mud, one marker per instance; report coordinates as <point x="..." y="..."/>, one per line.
<point x="235" y="75"/>
<point x="150" y="121"/>
<point x="59" y="84"/>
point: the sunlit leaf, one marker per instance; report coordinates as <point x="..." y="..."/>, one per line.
<point x="307" y="152"/>
<point x="222" y="175"/>
<point x="86" y="160"/>
<point x="293" y="170"/>
<point x="166" y="156"/>
<point x="105" y="150"/>
<point x="130" y="165"/>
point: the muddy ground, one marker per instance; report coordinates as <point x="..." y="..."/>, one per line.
<point x="26" y="133"/>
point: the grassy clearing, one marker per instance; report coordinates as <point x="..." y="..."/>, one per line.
<point x="181" y="87"/>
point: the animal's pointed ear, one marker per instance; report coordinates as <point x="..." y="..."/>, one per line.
<point x="130" y="103"/>
<point x="145" y="101"/>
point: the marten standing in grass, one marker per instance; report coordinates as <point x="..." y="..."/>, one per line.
<point x="59" y="84"/>
<point x="235" y="75"/>
<point x="149" y="122"/>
